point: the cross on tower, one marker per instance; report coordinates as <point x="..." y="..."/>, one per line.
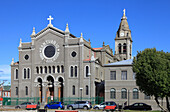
<point x="50" y="18"/>
<point x="124" y="12"/>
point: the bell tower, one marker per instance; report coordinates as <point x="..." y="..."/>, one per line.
<point x="123" y="40"/>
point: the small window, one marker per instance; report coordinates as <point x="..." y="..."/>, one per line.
<point x="135" y="94"/>
<point x="16" y="91"/>
<point x="124" y="93"/>
<point x="87" y="71"/>
<point x="37" y="70"/>
<point x="28" y="73"/>
<point x="16" y="71"/>
<point x="119" y="48"/>
<point x="124" y="48"/>
<point x="25" y="72"/>
<point x="73" y="90"/>
<point x="112" y="93"/>
<point x="124" y="75"/>
<point x="26" y="90"/>
<point x="87" y="90"/>
<point x="73" y="54"/>
<point x="112" y="75"/>
<point x="58" y="69"/>
<point x="75" y="71"/>
<point x="26" y="57"/>
<point x="71" y="71"/>
<point x="53" y="69"/>
<point x="62" y="68"/>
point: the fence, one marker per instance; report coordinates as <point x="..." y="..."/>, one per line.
<point x="66" y="100"/>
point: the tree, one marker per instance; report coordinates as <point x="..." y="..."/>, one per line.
<point x="152" y="70"/>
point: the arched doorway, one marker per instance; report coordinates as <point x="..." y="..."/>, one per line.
<point x="60" y="89"/>
<point x="39" y="80"/>
<point x="50" y="89"/>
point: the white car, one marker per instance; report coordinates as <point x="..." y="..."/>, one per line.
<point x="102" y="105"/>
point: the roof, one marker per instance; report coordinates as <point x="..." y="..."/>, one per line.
<point x="124" y="62"/>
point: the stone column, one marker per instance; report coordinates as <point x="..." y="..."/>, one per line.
<point x="36" y="89"/>
<point x="56" y="89"/>
<point x="44" y="84"/>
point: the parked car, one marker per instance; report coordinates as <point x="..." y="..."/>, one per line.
<point x="80" y="105"/>
<point x="54" y="105"/>
<point x="104" y="104"/>
<point x="23" y="105"/>
<point x="138" y="106"/>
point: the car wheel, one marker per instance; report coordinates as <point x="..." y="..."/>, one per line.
<point x="59" y="108"/>
<point x="97" y="108"/>
<point x="85" y="107"/>
<point x="70" y="108"/>
<point x="18" y="107"/>
<point x="46" y="107"/>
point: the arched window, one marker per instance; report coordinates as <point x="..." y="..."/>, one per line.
<point x="16" y="91"/>
<point x="25" y="72"/>
<point x="124" y="93"/>
<point x="26" y="90"/>
<point x="62" y="68"/>
<point x="28" y="73"/>
<point x="124" y="48"/>
<point x="49" y="68"/>
<point x="37" y="70"/>
<point x="45" y="69"/>
<point x="119" y="48"/>
<point x="16" y="73"/>
<point x="58" y="69"/>
<point x="87" y="90"/>
<point x="135" y="93"/>
<point x="71" y="71"/>
<point x="112" y="93"/>
<point x="53" y="69"/>
<point x="87" y="71"/>
<point x="41" y="69"/>
<point x="73" y="90"/>
<point x="75" y="71"/>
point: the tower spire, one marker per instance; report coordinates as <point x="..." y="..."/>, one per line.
<point x="67" y="29"/>
<point x="33" y="31"/>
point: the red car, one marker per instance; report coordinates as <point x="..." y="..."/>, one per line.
<point x="110" y="106"/>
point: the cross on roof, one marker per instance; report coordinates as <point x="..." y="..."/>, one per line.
<point x="50" y="18"/>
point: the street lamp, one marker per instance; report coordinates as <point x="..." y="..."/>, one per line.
<point x="81" y="93"/>
<point x="89" y="74"/>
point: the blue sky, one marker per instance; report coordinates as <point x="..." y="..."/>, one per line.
<point x="96" y="19"/>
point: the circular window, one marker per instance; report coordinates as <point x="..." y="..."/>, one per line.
<point x="26" y="57"/>
<point x="73" y="53"/>
<point x="49" y="51"/>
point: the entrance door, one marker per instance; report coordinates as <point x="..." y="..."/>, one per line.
<point x="40" y="88"/>
<point x="50" y="89"/>
<point x="60" y="89"/>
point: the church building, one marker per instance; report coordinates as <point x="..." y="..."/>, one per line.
<point x="58" y="64"/>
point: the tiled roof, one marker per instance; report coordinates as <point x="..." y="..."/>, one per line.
<point x="97" y="48"/>
<point x="124" y="62"/>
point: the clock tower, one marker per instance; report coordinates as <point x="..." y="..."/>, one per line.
<point x="123" y="41"/>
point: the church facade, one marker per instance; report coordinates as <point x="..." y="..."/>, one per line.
<point x="58" y="64"/>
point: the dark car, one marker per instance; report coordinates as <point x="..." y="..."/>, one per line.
<point x="138" y="106"/>
<point x="104" y="104"/>
<point x="23" y="105"/>
<point x="54" y="105"/>
<point x="80" y="105"/>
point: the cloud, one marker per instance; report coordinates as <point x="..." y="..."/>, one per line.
<point x="5" y="70"/>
